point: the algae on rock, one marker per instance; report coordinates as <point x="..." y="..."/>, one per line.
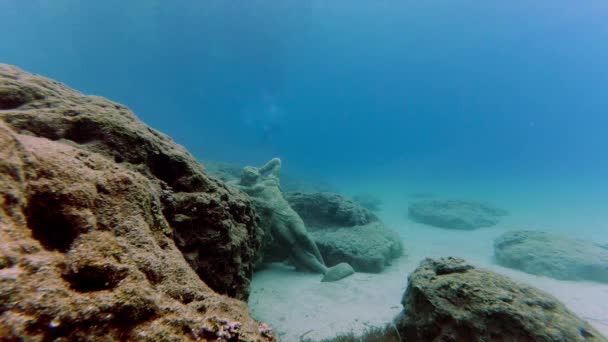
<point x="111" y="231"/>
<point x="448" y="299"/>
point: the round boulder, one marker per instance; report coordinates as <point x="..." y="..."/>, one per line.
<point x="449" y="300"/>
<point x="368" y="248"/>
<point x="552" y="255"/>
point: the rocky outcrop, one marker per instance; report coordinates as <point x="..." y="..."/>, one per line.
<point x="212" y="225"/>
<point x="450" y="300"/>
<point x="455" y="214"/>
<point x="104" y="221"/>
<point x="552" y="255"/>
<point x="346" y="232"/>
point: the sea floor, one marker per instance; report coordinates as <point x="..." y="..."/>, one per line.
<point x="298" y="305"/>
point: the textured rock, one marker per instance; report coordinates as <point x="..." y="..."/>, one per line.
<point x="88" y="254"/>
<point x="93" y="208"/>
<point x="346" y="232"/>
<point x="450" y="300"/>
<point x="322" y="210"/>
<point x="455" y="214"/>
<point x="552" y="255"/>
<point x="213" y="226"/>
<point x="367" y="248"/>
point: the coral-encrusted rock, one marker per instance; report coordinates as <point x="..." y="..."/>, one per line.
<point x="552" y="255"/>
<point x="87" y="253"/>
<point x="213" y="226"/>
<point x="450" y="300"/>
<point x="89" y="246"/>
<point x="344" y="231"/>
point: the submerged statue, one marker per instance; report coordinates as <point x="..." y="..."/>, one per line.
<point x="285" y="225"/>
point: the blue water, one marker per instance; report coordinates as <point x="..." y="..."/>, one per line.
<point x="456" y="88"/>
<point x="499" y="101"/>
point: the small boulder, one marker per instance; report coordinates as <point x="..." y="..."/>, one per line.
<point x="455" y="214"/>
<point x="368" y="248"/>
<point x="552" y="255"/>
<point x="449" y="300"/>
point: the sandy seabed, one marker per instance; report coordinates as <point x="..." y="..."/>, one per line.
<point x="298" y="305"/>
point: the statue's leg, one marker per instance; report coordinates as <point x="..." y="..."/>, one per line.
<point x="304" y="239"/>
<point x="308" y="260"/>
<point x="283" y="231"/>
<point x="308" y="251"/>
<point x="287" y="234"/>
<point x="309" y="244"/>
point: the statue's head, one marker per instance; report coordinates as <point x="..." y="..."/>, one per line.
<point x="250" y="175"/>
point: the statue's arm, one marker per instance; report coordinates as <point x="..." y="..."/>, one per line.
<point x="273" y="167"/>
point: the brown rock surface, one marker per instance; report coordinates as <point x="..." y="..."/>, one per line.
<point x="450" y="300"/>
<point x="103" y="223"/>
<point x="213" y="226"/>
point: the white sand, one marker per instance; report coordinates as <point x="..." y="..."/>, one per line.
<point x="297" y="304"/>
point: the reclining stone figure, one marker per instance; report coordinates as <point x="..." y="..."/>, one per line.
<point x="285" y="225"/>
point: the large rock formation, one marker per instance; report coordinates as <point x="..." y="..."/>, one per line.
<point x="552" y="255"/>
<point x="450" y="300"/>
<point x="346" y="232"/>
<point x="455" y="214"/>
<point x="104" y="221"/>
<point x="213" y="226"/>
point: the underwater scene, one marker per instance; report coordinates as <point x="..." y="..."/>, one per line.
<point x="306" y="170"/>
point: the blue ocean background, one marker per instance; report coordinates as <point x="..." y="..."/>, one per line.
<point x="504" y="102"/>
<point x="446" y="89"/>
